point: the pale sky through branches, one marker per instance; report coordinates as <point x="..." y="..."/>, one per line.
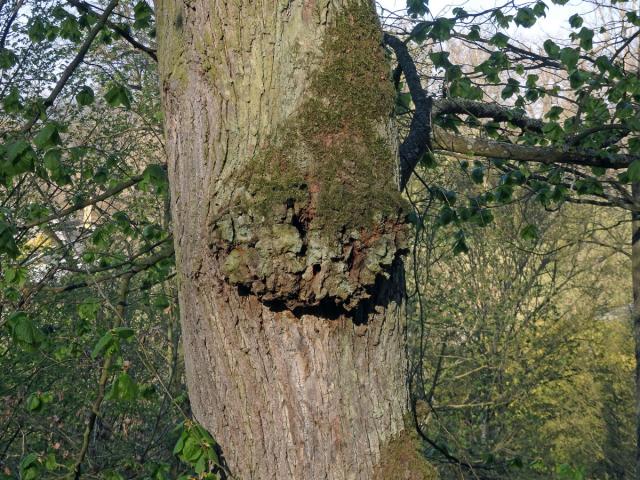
<point x="555" y="24"/>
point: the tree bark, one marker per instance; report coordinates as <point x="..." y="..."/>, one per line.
<point x="635" y="277"/>
<point x="288" y="232"/>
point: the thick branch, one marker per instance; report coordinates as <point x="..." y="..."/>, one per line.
<point x="447" y="141"/>
<point x="119" y="29"/>
<point x="416" y="144"/>
<point x="136" y="267"/>
<point x="497" y="112"/>
<point x="105" y="374"/>
<point x="90" y="201"/>
<point x="75" y="63"/>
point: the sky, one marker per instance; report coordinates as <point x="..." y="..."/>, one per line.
<point x="554" y="24"/>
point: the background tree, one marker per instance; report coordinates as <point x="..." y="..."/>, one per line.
<point x="523" y="347"/>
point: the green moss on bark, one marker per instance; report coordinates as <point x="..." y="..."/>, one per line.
<point x="401" y="459"/>
<point x="317" y="217"/>
<point x="333" y="153"/>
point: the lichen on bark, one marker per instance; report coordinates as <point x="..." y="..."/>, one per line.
<point x="317" y="214"/>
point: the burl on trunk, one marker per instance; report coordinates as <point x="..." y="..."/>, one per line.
<point x="288" y="229"/>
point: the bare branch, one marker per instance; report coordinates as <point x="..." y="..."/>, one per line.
<point x="450" y="142"/>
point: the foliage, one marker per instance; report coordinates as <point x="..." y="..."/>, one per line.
<point x="523" y="363"/>
<point x="92" y="377"/>
<point x="522" y="347"/>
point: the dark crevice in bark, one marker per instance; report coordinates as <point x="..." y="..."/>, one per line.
<point x="379" y="295"/>
<point x="290" y="263"/>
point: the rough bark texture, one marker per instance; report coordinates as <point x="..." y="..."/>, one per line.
<point x="635" y="278"/>
<point x="288" y="230"/>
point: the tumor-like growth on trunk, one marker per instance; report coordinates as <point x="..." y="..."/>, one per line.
<point x="317" y="217"/>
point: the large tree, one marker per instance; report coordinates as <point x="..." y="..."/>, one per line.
<point x="285" y="177"/>
<point x="288" y="226"/>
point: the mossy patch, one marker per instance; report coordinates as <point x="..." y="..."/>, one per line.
<point x="173" y="66"/>
<point x="401" y="459"/>
<point x="316" y="216"/>
<point x="333" y="152"/>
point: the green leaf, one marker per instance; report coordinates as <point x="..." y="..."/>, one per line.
<point x="201" y="465"/>
<point x="474" y="33"/>
<point x="460" y="12"/>
<point x="180" y="443"/>
<point x="501" y="19"/>
<point x="192" y="449"/>
<point x="118" y="95"/>
<point x="85" y="96"/>
<point x="633" y="18"/>
<point x="500" y="40"/>
<point x="7" y="58"/>
<point x="575" y="21"/>
<point x="7" y="241"/>
<point x="554" y="113"/>
<point x="50" y="462"/>
<point x="529" y="232"/>
<point x="105" y="342"/>
<point x="633" y="172"/>
<point x="11" y="102"/>
<point x="155" y="175"/>
<point x="89" y="308"/>
<point x="15" y="276"/>
<point x="446" y="216"/>
<point x="446" y="196"/>
<point x="34" y="403"/>
<point x="503" y="193"/>
<point x="512" y="87"/>
<point x="419" y="32"/>
<point x="123" y="389"/>
<point x="525" y="17"/>
<point x="70" y="30"/>
<point x="586" y="38"/>
<point x="477" y="174"/>
<point x="460" y="244"/>
<point x="29" y="467"/>
<point x="48" y="136"/>
<point x="416" y="8"/>
<point x="440" y="59"/>
<point x="463" y="88"/>
<point x="482" y="217"/>
<point x="24" y="331"/>
<point x="551" y="48"/>
<point x="52" y="160"/>
<point x="577" y="78"/>
<point x="37" y="31"/>
<point x="123" y="332"/>
<point x="20" y="156"/>
<point x="588" y="186"/>
<point x="441" y="29"/>
<point x="143" y="15"/>
<point x="569" y="57"/>
<point x="540" y="9"/>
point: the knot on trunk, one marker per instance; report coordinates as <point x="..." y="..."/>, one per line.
<point x="288" y="260"/>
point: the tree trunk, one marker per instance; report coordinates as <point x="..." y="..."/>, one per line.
<point x="635" y="278"/>
<point x="288" y="231"/>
